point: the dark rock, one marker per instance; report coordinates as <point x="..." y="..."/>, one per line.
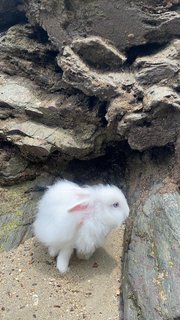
<point x="10" y="13"/>
<point x="98" y="53"/>
<point x="159" y="97"/>
<point x="124" y="23"/>
<point x="13" y="168"/>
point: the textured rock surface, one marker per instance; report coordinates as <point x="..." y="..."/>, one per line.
<point x="67" y="20"/>
<point x="27" y="52"/>
<point x="89" y="90"/>
<point x="152" y="255"/>
<point x="80" y="76"/>
<point x="18" y="209"/>
<point x="162" y="67"/>
<point x="154" y="249"/>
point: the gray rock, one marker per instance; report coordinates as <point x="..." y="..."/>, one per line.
<point x="120" y="106"/>
<point x="17" y="93"/>
<point x="17" y="212"/>
<point x="37" y="141"/>
<point x="157" y="97"/>
<point x="153" y="122"/>
<point x="151" y="264"/>
<point x="75" y="112"/>
<point x="124" y="23"/>
<point x="99" y="53"/>
<point x="162" y="67"/>
<point x="79" y="75"/>
<point x="162" y="122"/>
<point x="21" y="96"/>
<point x="22" y="53"/>
<point x="13" y="168"/>
<point x="157" y="71"/>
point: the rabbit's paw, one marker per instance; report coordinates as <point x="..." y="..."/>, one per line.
<point x="63" y="259"/>
<point x="63" y="268"/>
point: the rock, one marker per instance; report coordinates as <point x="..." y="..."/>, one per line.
<point x="18" y="209"/>
<point x="56" y="118"/>
<point x="98" y="53"/>
<point x="17" y="94"/>
<point x="150" y="285"/>
<point x="37" y="141"/>
<point x="14" y="168"/>
<point x="157" y="71"/>
<point x="161" y="129"/>
<point x="24" y="53"/>
<point x="165" y="30"/>
<point x="153" y="122"/>
<point x="10" y="14"/>
<point x="20" y="96"/>
<point x="75" y="112"/>
<point x="162" y="67"/>
<point x="124" y="24"/>
<point x="154" y="249"/>
<point x="157" y="97"/>
<point x="119" y="106"/>
<point x="161" y="125"/>
<point x="79" y="75"/>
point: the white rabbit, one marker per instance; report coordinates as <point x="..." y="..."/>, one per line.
<point x="73" y="217"/>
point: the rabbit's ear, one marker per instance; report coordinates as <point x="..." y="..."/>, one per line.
<point x="79" y="207"/>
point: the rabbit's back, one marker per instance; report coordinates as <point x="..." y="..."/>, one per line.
<point x="54" y="224"/>
<point x="61" y="193"/>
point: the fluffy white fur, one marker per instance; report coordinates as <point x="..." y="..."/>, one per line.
<point x="73" y="217"/>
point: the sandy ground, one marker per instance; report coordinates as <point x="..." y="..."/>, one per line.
<point x="32" y="288"/>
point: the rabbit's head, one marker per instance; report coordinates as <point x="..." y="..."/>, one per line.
<point x="102" y="202"/>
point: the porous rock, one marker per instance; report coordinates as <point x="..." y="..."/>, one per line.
<point x="99" y="53"/>
<point x="26" y="52"/>
<point x="79" y="75"/>
<point x="162" y="67"/>
<point x="14" y="168"/>
<point x="124" y="23"/>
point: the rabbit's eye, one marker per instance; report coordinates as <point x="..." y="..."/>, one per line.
<point x="116" y="204"/>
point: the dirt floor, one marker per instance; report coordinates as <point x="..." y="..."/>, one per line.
<point x="32" y="288"/>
